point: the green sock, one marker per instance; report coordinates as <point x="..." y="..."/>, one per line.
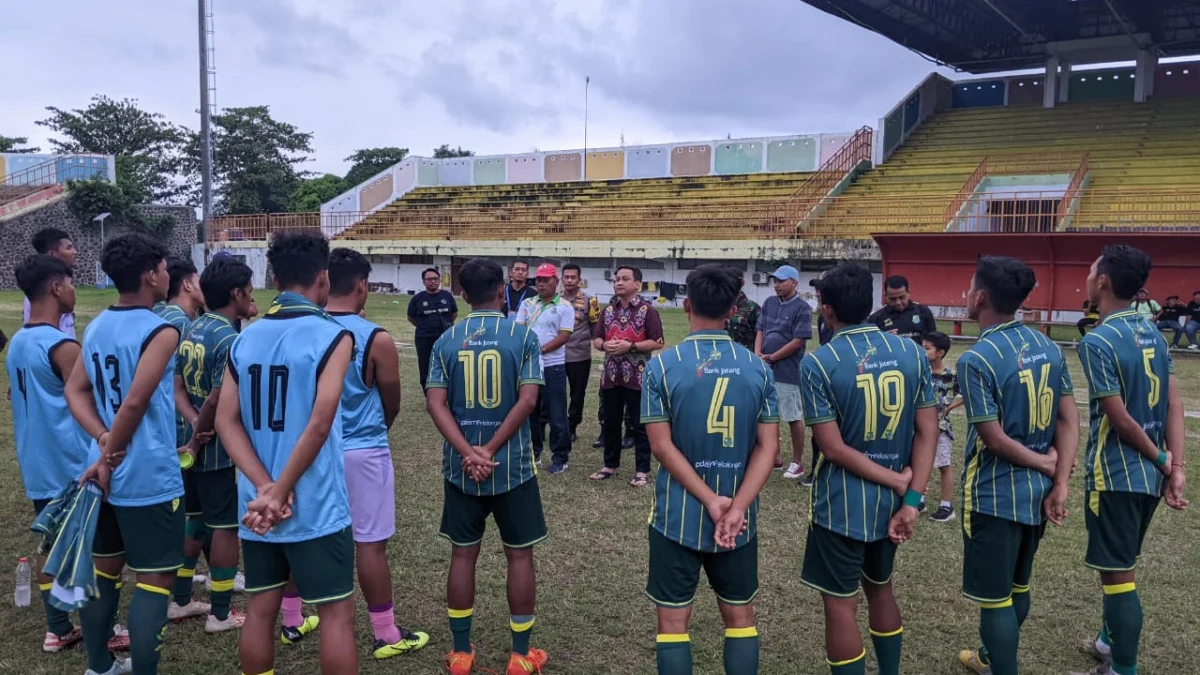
<point x="147" y="626"/>
<point x="1021" y="601"/>
<point x="741" y="651"/>
<point x="522" y="630"/>
<point x="96" y="618"/>
<point x="460" y="628"/>
<point x="221" y="595"/>
<point x="674" y="653"/>
<point x="183" y="581"/>
<point x="855" y="666"/>
<point x="1001" y="633"/>
<point x="887" y="650"/>
<point x="57" y="621"/>
<point x="1123" y="618"/>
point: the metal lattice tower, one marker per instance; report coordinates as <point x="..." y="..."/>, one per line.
<point x="208" y="108"/>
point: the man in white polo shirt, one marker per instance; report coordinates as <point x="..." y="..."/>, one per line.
<point x="552" y="319"/>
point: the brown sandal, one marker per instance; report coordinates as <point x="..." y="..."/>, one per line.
<point x="640" y="480"/>
<point x="603" y="474"/>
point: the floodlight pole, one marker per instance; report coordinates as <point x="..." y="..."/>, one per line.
<point x="587" y="82"/>
<point x="205" y="127"/>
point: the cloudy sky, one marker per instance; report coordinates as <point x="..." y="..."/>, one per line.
<point x="495" y="76"/>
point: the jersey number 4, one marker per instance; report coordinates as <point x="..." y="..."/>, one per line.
<point x="721" y="416"/>
<point x="883" y="394"/>
<point x="481" y="378"/>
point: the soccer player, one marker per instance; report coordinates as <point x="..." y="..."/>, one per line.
<point x="706" y="495"/>
<point x="278" y="420"/>
<point x="57" y="244"/>
<point x="370" y="404"/>
<point x="51" y="447"/>
<point x="484" y="377"/>
<point x="199" y="374"/>
<point x="120" y="392"/>
<point x="1135" y="448"/>
<point x="1022" y="435"/>
<point x="868" y="397"/>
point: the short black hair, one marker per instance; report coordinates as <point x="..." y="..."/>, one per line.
<point x="127" y="257"/>
<point x="297" y="258"/>
<point x="896" y="281"/>
<point x="572" y="266"/>
<point x="712" y="291"/>
<point x="481" y="279"/>
<point x="849" y="290"/>
<point x="736" y="272"/>
<point x="637" y="273"/>
<point x="1172" y="297"/>
<point x="1127" y="268"/>
<point x="519" y="261"/>
<point x="1008" y="281"/>
<point x="221" y="278"/>
<point x="346" y="267"/>
<point x="178" y="269"/>
<point x="427" y="270"/>
<point x="938" y="339"/>
<point x="36" y="272"/>
<point x="46" y="240"/>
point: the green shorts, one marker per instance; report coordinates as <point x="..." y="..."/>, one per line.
<point x="216" y="493"/>
<point x="518" y="515"/>
<point x="40" y="505"/>
<point x="834" y="564"/>
<point x="997" y="556"/>
<point x="1116" y="525"/>
<point x="675" y="572"/>
<point x="150" y="537"/>
<point x="191" y="497"/>
<point x="323" y="568"/>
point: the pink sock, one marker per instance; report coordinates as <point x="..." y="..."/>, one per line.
<point x="291" y="611"/>
<point x="383" y="620"/>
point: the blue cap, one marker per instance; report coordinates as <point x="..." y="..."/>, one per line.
<point x="222" y="254"/>
<point x="786" y="272"/>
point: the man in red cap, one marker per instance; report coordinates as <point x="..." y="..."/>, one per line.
<point x="552" y="320"/>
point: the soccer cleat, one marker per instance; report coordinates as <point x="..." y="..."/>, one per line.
<point x="794" y="471"/>
<point x="461" y="663"/>
<point x="1102" y="669"/>
<point x="232" y="622"/>
<point x="599" y="442"/>
<point x="409" y="642"/>
<point x="119" y="642"/>
<point x="970" y="660"/>
<point x="530" y="663"/>
<point x="627" y="442"/>
<point x="54" y="643"/>
<point x="177" y="612"/>
<point x="778" y="465"/>
<point x="290" y="635"/>
<point x="119" y="667"/>
<point x="806" y="481"/>
<point x="943" y="514"/>
<point x="558" y="468"/>
<point x="1088" y="646"/>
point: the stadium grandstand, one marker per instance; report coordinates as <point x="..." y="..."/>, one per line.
<point x="1041" y="140"/>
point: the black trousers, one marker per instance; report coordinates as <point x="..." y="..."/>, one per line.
<point x="621" y="403"/>
<point x="424" y="349"/>
<point x="578" y="374"/>
<point x="1084" y="323"/>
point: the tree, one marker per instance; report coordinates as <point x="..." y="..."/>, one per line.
<point x="148" y="147"/>
<point x="314" y="192"/>
<point x="10" y="143"/>
<point x="256" y="160"/>
<point x="370" y="161"/>
<point x="445" y="152"/>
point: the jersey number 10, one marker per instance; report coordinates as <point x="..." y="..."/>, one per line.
<point x="277" y="387"/>
<point x="481" y="378"/>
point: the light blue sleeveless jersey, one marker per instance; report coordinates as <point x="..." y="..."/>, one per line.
<point x="112" y="346"/>
<point x="276" y="362"/>
<point x="363" y="424"/>
<point x="51" y="446"/>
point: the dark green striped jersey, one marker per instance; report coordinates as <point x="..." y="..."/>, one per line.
<point x="201" y="361"/>
<point x="1014" y="375"/>
<point x="871" y="383"/>
<point x="706" y="377"/>
<point x="482" y="363"/>
<point x="1125" y="356"/>
<point x="177" y="317"/>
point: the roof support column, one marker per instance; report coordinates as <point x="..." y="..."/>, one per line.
<point x="1143" y="75"/>
<point x="1064" y="81"/>
<point x="1050" y="92"/>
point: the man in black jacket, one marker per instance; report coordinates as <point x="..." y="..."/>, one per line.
<point x="901" y="315"/>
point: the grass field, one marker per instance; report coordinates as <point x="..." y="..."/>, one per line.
<point x="592" y="617"/>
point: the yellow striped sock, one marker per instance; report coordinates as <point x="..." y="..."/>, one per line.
<point x="185" y="573"/>
<point x="459" y="613"/>
<point x="847" y="662"/>
<point x="673" y="637"/>
<point x="152" y="589"/>
<point x="45" y="587"/>
<point x="110" y="577"/>
<point x="886" y="634"/>
<point x="1117" y="589"/>
<point x="997" y="605"/>
<point x="747" y="632"/>
<point x="222" y="586"/>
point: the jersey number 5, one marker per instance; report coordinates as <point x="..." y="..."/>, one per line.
<point x="481" y="378"/>
<point x="1155" y="381"/>
<point x="883" y="394"/>
<point x="721" y="416"/>
<point x="1041" y="398"/>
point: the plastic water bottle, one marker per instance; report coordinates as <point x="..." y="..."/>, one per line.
<point x="24" y="590"/>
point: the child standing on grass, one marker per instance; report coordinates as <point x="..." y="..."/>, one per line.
<point x="945" y="390"/>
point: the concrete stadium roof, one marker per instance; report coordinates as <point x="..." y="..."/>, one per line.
<point x="987" y="36"/>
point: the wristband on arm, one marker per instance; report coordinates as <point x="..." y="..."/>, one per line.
<point x="913" y="498"/>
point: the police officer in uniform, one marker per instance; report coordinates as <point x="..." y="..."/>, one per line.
<point x="901" y="315"/>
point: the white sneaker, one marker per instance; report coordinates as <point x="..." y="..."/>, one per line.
<point x="1193" y="347"/>
<point x="177" y="612"/>
<point x="119" y="667"/>
<point x="231" y="622"/>
<point x="794" y="471"/>
<point x="199" y="578"/>
<point x="239" y="583"/>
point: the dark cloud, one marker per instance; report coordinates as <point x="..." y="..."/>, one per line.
<point x="293" y="40"/>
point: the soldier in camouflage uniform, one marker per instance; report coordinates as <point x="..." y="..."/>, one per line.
<point x="743" y="324"/>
